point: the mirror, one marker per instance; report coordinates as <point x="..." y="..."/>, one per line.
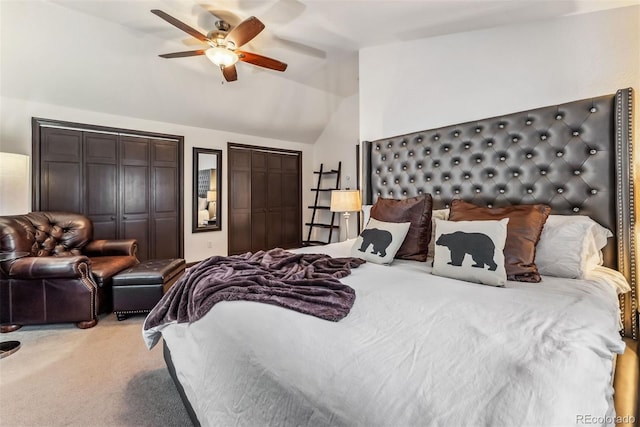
<point x="207" y="183"/>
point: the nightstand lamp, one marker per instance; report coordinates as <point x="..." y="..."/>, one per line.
<point x="346" y="201"/>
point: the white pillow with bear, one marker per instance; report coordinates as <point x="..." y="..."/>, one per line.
<point x="379" y="241"/>
<point x="471" y="251"/>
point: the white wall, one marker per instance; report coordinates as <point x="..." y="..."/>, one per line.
<point x="338" y="143"/>
<point x="418" y="85"/>
<point x="15" y="137"/>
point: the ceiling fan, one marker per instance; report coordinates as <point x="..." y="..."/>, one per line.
<point x="223" y="45"/>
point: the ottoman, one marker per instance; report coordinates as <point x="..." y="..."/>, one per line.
<point x="139" y="288"/>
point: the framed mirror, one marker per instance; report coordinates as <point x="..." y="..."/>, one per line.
<point x="207" y="185"/>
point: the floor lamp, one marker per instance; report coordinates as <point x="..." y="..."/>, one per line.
<point x="14" y="197"/>
<point x="346" y="201"/>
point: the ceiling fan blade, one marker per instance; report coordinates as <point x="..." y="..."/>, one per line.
<point x="183" y="54"/>
<point x="261" y="61"/>
<point x="230" y="73"/>
<point x="245" y="31"/>
<point x="179" y="24"/>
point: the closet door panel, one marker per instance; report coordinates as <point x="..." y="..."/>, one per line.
<point x="134" y="193"/>
<point x="61" y="145"/>
<point x="239" y="201"/>
<point x="61" y="187"/>
<point x="101" y="183"/>
<point x="165" y="196"/>
<point x="61" y="178"/>
<point x="274" y="230"/>
<point x="258" y="231"/>
<point x="165" y="238"/>
<point x="274" y="200"/>
<point x="291" y="202"/>
<point x="259" y="198"/>
<point x="133" y="228"/>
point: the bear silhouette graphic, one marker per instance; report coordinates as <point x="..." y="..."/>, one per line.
<point x="380" y="239"/>
<point x="478" y="245"/>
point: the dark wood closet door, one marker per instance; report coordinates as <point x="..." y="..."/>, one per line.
<point x="259" y="201"/>
<point x="101" y="183"/>
<point x="165" y="193"/>
<point x="265" y="201"/>
<point x="61" y="179"/>
<point x="129" y="183"/>
<point x="291" y="203"/>
<point x="134" y="192"/>
<point x="239" y="201"/>
<point x="274" y="201"/>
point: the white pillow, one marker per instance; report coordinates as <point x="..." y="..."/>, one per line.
<point x="366" y="214"/>
<point x="435" y="214"/>
<point x="202" y="203"/>
<point x="570" y="246"/>
<point x="471" y="251"/>
<point x="379" y="241"/>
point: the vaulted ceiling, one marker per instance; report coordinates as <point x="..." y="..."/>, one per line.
<point x="103" y="55"/>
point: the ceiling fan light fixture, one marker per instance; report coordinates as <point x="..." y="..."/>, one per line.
<point x="221" y="56"/>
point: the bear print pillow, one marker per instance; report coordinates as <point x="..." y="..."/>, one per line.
<point x="471" y="251"/>
<point x="379" y="241"/>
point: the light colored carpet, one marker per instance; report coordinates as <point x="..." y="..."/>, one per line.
<point x="102" y="376"/>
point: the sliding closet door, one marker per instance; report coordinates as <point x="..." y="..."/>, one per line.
<point x="134" y="192"/>
<point x="239" y="201"/>
<point x="165" y="192"/>
<point x="128" y="183"/>
<point x="265" y="201"/>
<point x="260" y="198"/>
<point x="290" y="208"/>
<point x="101" y="183"/>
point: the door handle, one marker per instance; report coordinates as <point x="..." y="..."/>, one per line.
<point x="113" y="218"/>
<point x="124" y="217"/>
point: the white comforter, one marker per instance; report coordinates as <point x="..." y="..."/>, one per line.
<point x="416" y="350"/>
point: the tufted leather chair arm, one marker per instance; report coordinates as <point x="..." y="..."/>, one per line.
<point x="48" y="267"/>
<point x="111" y="248"/>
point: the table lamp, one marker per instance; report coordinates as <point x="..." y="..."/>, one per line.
<point x="346" y="201"/>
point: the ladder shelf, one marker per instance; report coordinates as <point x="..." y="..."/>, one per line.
<point x="321" y="204"/>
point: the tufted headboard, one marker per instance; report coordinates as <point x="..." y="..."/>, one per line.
<point x="576" y="157"/>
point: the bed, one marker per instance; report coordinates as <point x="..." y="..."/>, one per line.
<point x="421" y="349"/>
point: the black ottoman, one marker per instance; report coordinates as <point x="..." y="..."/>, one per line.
<point x="139" y="288"/>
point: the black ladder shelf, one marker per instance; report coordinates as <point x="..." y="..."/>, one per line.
<point x="322" y="204"/>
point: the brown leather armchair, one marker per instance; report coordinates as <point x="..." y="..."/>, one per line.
<point x="51" y="271"/>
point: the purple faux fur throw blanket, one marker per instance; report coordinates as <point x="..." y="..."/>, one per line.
<point x="308" y="283"/>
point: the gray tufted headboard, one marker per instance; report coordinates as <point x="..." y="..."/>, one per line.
<point x="575" y="157"/>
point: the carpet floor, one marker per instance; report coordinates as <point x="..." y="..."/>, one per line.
<point x="102" y="376"/>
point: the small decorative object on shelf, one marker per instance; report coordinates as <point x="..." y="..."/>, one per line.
<point x="322" y="204"/>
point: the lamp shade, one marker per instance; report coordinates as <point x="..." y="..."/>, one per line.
<point x="211" y="196"/>
<point x="14" y="184"/>
<point x="345" y="201"/>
